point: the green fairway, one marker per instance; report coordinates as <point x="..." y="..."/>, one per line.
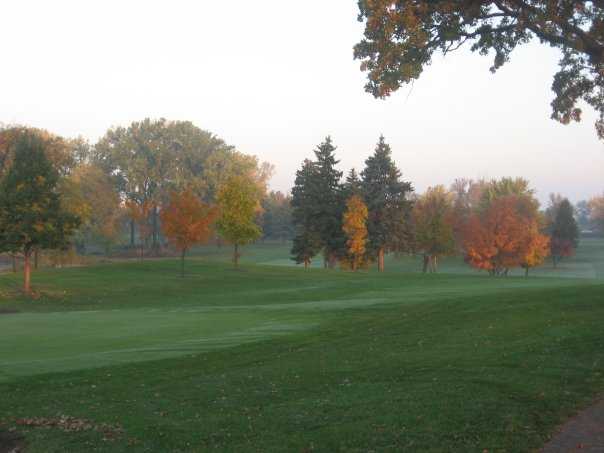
<point x="275" y="358"/>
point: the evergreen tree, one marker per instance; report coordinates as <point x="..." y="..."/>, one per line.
<point x="352" y="186"/>
<point x="328" y="205"/>
<point x="31" y="214"/>
<point x="306" y="240"/>
<point x="386" y="197"/>
<point x="564" y="232"/>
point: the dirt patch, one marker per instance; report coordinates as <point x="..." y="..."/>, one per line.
<point x="8" y="311"/>
<point x="583" y="433"/>
<point x="11" y="442"/>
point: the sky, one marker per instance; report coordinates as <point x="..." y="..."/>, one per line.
<point x="274" y="78"/>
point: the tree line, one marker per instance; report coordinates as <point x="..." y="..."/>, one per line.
<point x="159" y="182"/>
<point x="495" y="225"/>
<point x="153" y="183"/>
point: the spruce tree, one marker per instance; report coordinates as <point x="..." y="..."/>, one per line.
<point x="31" y="215"/>
<point x="327" y="204"/>
<point x="352" y="185"/>
<point x="307" y="241"/>
<point x="386" y="197"/>
<point x="564" y="232"/>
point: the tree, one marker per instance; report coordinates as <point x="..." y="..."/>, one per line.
<point x="555" y="199"/>
<point x="583" y="214"/>
<point x="139" y="216"/>
<point x="187" y="221"/>
<point x="389" y="210"/>
<point x="90" y="194"/>
<point x="305" y="247"/>
<point x="498" y="238"/>
<point x="537" y="248"/>
<point x="31" y="213"/>
<point x="564" y="232"/>
<point x="151" y="158"/>
<point x="307" y="240"/>
<point x="467" y="196"/>
<point x="326" y="202"/>
<point x="354" y="226"/>
<point x="238" y="202"/>
<point x="401" y="37"/>
<point x="277" y="216"/>
<point x="433" y="217"/>
<point x="596" y="212"/>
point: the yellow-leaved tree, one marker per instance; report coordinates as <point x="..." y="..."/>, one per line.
<point x="355" y="228"/>
<point x="238" y="203"/>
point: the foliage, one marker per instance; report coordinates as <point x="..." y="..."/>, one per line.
<point x="400" y="39"/>
<point x="502" y="237"/>
<point x="307" y="240"/>
<point x="537" y="249"/>
<point x="596" y="216"/>
<point x="327" y="204"/>
<point x="385" y="194"/>
<point x="354" y="226"/>
<point x="139" y="215"/>
<point x="564" y="232"/>
<point x="31" y="214"/>
<point x="90" y="194"/>
<point x="187" y="221"/>
<point x="276" y="218"/>
<point x="239" y="201"/>
<point x="433" y="218"/>
<point x="151" y="158"/>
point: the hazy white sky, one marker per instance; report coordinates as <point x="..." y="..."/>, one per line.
<point x="274" y="77"/>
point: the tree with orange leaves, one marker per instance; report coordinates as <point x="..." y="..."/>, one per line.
<point x="355" y="228"/>
<point x="503" y="236"/>
<point x="538" y="248"/>
<point x="187" y="221"/>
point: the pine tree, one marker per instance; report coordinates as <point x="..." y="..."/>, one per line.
<point x="307" y="241"/>
<point x="564" y="232"/>
<point x="352" y="186"/>
<point x="386" y="197"/>
<point x="31" y="214"/>
<point x="328" y="205"/>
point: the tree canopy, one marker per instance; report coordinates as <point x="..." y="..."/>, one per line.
<point x="401" y="38"/>
<point x="238" y="202"/>
<point x="385" y="194"/>
<point x="31" y="213"/>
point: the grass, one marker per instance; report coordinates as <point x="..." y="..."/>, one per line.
<point x="272" y="358"/>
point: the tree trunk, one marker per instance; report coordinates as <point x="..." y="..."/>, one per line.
<point x="27" y="272"/>
<point x="155" y="239"/>
<point x="182" y="262"/>
<point x="381" y="259"/>
<point x="425" y="264"/>
<point x="132" y="244"/>
<point x="236" y="256"/>
<point x="526" y="269"/>
<point x="435" y="263"/>
<point x="305" y="263"/>
<point x="331" y="261"/>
